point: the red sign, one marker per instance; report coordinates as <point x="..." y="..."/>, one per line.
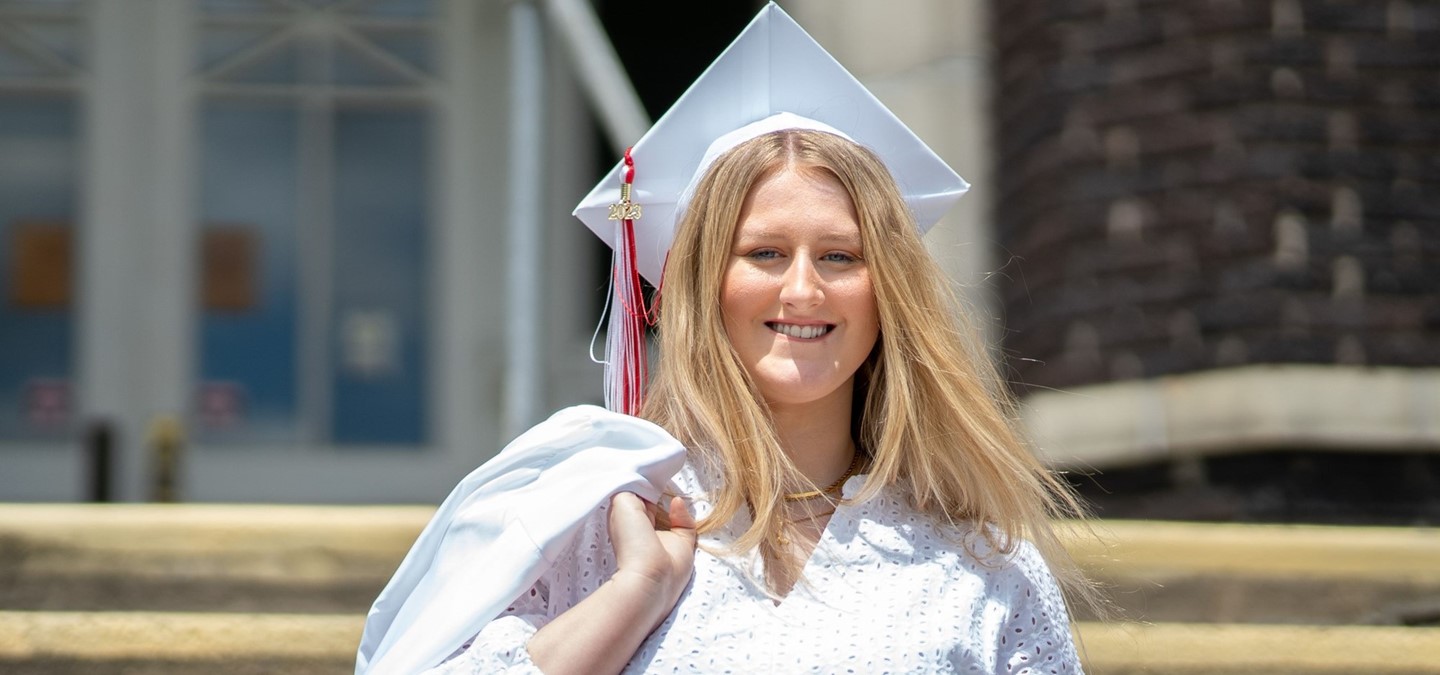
<point x="47" y="402"/>
<point x="222" y="404"/>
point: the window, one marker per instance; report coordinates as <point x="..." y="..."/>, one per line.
<point x="315" y="143"/>
<point x="41" y="61"/>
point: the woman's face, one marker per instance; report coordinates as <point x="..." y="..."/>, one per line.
<point x="798" y="304"/>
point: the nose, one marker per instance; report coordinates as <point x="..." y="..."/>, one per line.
<point x="801" y="285"/>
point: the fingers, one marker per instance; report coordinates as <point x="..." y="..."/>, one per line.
<point x="626" y="509"/>
<point x="682" y="524"/>
<point x="626" y="506"/>
<point x="679" y="516"/>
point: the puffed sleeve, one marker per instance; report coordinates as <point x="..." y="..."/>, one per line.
<point x="500" y="646"/>
<point x="1035" y="636"/>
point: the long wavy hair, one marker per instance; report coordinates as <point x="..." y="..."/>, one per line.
<point x="930" y="411"/>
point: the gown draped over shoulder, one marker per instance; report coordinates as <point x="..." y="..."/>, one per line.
<point x="887" y="589"/>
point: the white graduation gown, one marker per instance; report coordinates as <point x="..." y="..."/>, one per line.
<point x="503" y="526"/>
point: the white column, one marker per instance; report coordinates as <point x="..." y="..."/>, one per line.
<point x="171" y="284"/>
<point x="525" y="375"/>
<point x="136" y="248"/>
<point x="464" y="248"/>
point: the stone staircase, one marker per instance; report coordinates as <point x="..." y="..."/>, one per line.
<point x="283" y="589"/>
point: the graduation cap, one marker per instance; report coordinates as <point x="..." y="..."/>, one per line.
<point x="774" y="76"/>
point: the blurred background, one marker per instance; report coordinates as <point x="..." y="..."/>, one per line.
<point x="320" y="251"/>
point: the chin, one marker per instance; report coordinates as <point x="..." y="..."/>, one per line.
<point x="793" y="392"/>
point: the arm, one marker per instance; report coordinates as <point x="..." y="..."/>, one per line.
<point x="601" y="632"/>
<point x="591" y="637"/>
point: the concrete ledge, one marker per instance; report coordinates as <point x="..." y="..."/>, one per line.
<point x="197" y="541"/>
<point x="35" y="642"/>
<point x="1163" y="550"/>
<point x="1230" y="573"/>
<point x="1219" y="649"/>
<point x="201" y="557"/>
<point x="176" y="636"/>
<point x="1238" y="409"/>
<point x="334" y="560"/>
<point x="326" y="543"/>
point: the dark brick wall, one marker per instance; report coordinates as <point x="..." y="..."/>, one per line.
<point x="1192" y="184"/>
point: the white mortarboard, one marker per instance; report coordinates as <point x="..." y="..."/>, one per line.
<point x="773" y="76"/>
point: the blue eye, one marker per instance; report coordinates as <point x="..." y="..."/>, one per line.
<point x="839" y="257"/>
<point x="764" y="254"/>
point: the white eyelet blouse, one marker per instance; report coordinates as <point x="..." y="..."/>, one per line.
<point x="887" y="590"/>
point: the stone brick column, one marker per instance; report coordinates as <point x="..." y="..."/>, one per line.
<point x="1206" y="184"/>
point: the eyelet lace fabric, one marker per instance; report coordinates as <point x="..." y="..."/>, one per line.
<point x="887" y="590"/>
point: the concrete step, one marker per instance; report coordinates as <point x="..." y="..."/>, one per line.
<point x="201" y="557"/>
<point x="166" y="643"/>
<point x="1227" y="573"/>
<point x="105" y="643"/>
<point x="268" y="558"/>
<point x="1254" y="649"/>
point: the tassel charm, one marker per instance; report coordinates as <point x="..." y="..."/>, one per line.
<point x="626" y="209"/>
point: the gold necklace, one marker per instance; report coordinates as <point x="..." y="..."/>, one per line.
<point x="849" y="471"/>
<point x="784" y="540"/>
<point x="801" y="519"/>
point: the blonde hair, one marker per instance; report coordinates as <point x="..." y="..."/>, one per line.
<point x="931" y="413"/>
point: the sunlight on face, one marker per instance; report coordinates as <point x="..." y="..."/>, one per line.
<point x="798" y="303"/>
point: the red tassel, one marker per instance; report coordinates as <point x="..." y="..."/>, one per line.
<point x="625" y="363"/>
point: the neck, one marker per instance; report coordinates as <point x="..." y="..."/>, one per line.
<point x="816" y="436"/>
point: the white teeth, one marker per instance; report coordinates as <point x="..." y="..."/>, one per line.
<point x="802" y="332"/>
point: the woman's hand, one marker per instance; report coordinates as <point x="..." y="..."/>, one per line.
<point x="652" y="558"/>
<point x="653" y="565"/>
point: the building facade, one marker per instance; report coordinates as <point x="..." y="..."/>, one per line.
<point x="256" y="250"/>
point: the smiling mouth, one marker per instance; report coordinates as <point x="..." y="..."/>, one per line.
<point x="805" y="332"/>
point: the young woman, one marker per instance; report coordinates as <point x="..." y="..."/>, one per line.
<point x="861" y="500"/>
<point x="833" y="478"/>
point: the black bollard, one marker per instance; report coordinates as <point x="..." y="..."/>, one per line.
<point x="100" y="452"/>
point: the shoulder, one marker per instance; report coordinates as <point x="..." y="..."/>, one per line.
<point x="1023" y="594"/>
<point x="1026" y="575"/>
<point x="1019" y="579"/>
<point x="1035" y="633"/>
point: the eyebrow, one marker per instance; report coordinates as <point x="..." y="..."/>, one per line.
<point x="773" y="233"/>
